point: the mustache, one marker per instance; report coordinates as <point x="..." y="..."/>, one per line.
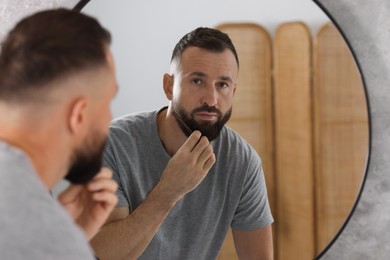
<point x="206" y="108"/>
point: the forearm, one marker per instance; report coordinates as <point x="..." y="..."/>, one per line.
<point x="131" y="234"/>
<point x="128" y="238"/>
<point x="254" y="244"/>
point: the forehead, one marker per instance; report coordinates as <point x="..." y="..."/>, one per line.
<point x="196" y="59"/>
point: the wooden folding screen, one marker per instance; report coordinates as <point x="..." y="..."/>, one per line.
<point x="302" y="107"/>
<point x="293" y="140"/>
<point x="341" y="132"/>
<point x="252" y="107"/>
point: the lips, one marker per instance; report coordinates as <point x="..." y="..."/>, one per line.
<point x="207" y="116"/>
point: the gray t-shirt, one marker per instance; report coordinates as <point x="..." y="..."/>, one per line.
<point x="232" y="194"/>
<point x="32" y="224"/>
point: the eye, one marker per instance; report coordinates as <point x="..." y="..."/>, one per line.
<point x="223" y="85"/>
<point x="197" y="82"/>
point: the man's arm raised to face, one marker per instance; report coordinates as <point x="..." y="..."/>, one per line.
<point x="91" y="204"/>
<point x="125" y="236"/>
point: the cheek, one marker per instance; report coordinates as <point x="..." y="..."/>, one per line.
<point x="226" y="96"/>
<point x="103" y="128"/>
<point x="104" y="116"/>
<point x="108" y="117"/>
<point x="225" y="102"/>
<point x="177" y="91"/>
<point x="179" y="94"/>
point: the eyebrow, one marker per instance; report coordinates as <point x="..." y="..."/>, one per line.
<point x="198" y="73"/>
<point x="203" y="75"/>
<point x="226" y="78"/>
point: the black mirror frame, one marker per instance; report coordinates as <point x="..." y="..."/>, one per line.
<point x="340" y="29"/>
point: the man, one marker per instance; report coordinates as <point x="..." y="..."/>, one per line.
<point x="209" y="183"/>
<point x="56" y="83"/>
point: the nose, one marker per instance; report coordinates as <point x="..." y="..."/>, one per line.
<point x="209" y="96"/>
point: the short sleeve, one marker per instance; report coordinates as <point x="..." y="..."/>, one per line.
<point x="110" y="161"/>
<point x="253" y="210"/>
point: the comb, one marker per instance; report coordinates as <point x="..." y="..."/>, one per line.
<point x="186" y="129"/>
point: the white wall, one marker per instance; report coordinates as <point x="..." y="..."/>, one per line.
<point x="146" y="31"/>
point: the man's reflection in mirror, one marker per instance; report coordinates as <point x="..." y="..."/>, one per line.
<point x="184" y="177"/>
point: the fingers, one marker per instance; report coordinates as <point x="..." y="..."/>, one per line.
<point x="103" y="181"/>
<point x="188" y="167"/>
<point x="203" y="147"/>
<point x="209" y="163"/>
<point x="103" y="184"/>
<point x="203" y="151"/>
<point x="70" y="193"/>
<point x="200" y="145"/>
<point x="195" y="143"/>
<point x="108" y="198"/>
<point x="191" y="141"/>
<point x="103" y="187"/>
<point x="103" y="173"/>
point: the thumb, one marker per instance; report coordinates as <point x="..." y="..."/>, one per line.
<point x="70" y="193"/>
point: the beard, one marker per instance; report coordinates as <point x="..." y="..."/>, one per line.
<point x="208" y="129"/>
<point x="87" y="162"/>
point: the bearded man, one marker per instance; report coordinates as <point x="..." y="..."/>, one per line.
<point x="184" y="177"/>
<point x="57" y="80"/>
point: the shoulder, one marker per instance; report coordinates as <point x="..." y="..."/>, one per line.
<point x="53" y="233"/>
<point x="233" y="140"/>
<point x="232" y="145"/>
<point x="132" y="120"/>
<point x="132" y="124"/>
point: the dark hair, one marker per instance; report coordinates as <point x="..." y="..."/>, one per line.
<point x="205" y="38"/>
<point x="48" y="46"/>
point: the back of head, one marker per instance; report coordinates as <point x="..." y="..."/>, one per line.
<point x="46" y="47"/>
<point x="206" y="38"/>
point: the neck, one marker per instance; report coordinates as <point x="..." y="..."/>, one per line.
<point x="35" y="141"/>
<point x="171" y="135"/>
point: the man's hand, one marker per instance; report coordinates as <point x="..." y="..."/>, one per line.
<point x="188" y="167"/>
<point x="183" y="173"/>
<point x="91" y="204"/>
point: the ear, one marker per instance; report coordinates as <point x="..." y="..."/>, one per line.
<point x="77" y="116"/>
<point x="168" y="86"/>
<point x="234" y="89"/>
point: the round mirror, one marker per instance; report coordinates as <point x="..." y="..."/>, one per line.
<point x="300" y="101"/>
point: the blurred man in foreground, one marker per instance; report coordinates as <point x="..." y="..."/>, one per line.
<point x="57" y="80"/>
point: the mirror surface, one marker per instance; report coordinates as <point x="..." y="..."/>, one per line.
<point x="145" y="32"/>
<point x="12" y="11"/>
